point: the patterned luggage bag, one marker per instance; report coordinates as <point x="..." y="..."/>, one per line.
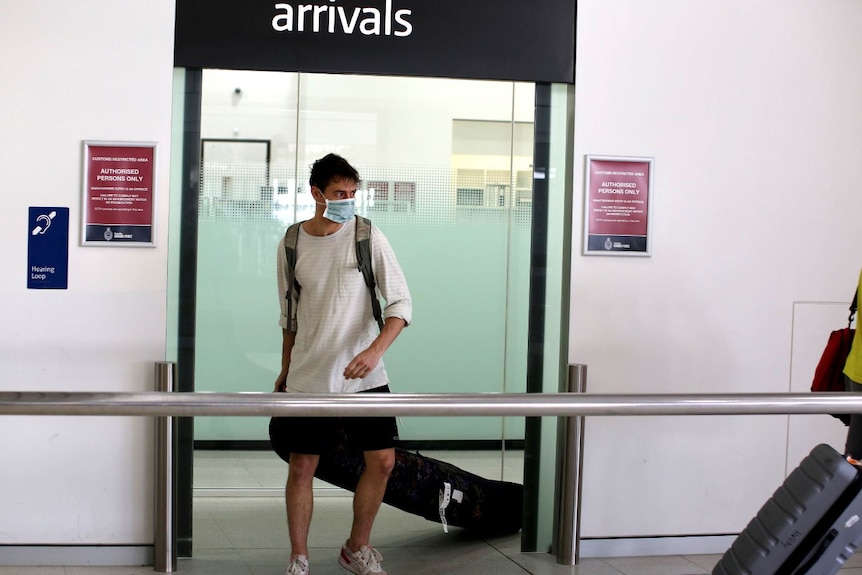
<point x="810" y="525"/>
<point x="433" y="489"/>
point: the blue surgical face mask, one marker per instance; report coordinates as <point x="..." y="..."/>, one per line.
<point x="340" y="211"/>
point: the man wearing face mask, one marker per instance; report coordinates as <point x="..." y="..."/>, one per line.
<point x="333" y="345"/>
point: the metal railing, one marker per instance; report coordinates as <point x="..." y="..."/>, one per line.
<point x="405" y="404"/>
<point x="570" y="406"/>
<point x="165" y="515"/>
<point x="566" y="541"/>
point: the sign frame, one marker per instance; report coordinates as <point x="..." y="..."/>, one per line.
<point x="629" y="233"/>
<point x="126" y="213"/>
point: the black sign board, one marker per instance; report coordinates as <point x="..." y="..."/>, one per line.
<point x="523" y="40"/>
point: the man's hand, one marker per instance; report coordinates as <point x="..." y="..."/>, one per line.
<point x="362" y="364"/>
<point x="279" y="383"/>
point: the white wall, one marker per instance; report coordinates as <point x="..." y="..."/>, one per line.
<point x="752" y="113"/>
<point x="98" y="70"/>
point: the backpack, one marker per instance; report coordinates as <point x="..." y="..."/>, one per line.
<point x="363" y="259"/>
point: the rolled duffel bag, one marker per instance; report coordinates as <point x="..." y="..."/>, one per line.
<point x="810" y="525"/>
<point x="433" y="489"/>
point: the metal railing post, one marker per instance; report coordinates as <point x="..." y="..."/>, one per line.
<point x="570" y="447"/>
<point x="165" y="524"/>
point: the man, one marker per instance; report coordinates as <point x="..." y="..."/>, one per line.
<point x="332" y="345"/>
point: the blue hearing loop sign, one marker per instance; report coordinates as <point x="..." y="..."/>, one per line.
<point x="48" y="248"/>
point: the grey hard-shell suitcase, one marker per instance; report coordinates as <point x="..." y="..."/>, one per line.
<point x="810" y="525"/>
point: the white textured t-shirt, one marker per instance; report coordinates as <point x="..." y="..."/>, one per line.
<point x="334" y="317"/>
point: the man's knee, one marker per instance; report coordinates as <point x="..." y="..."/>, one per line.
<point x="302" y="467"/>
<point x="380" y="462"/>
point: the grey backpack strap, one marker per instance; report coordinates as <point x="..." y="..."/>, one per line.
<point x="292" y="294"/>
<point x="363" y="259"/>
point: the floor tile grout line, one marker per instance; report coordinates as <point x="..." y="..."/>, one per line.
<point x="702" y="569"/>
<point x="221" y="529"/>
<point x="506" y="556"/>
<point x="612" y="567"/>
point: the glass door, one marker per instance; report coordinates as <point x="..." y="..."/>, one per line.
<point x="447" y="171"/>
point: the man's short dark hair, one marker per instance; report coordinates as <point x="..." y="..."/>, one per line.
<point x="331" y="167"/>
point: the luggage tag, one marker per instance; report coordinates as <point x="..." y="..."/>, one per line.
<point x="447" y="495"/>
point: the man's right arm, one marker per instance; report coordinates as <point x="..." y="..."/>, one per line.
<point x="288" y="337"/>
<point x="287" y="341"/>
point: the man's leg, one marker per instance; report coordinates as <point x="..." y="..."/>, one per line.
<point x="369" y="495"/>
<point x="299" y="498"/>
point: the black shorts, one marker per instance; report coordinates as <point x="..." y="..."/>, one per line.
<point x="317" y="435"/>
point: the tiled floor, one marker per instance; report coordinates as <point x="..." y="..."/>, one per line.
<point x="249" y="534"/>
<point x="240" y="529"/>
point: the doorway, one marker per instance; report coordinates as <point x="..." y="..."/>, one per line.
<point x="447" y="174"/>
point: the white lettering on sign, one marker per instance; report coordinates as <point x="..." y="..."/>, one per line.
<point x="40" y="273"/>
<point x="332" y="19"/>
<point x="119" y="175"/>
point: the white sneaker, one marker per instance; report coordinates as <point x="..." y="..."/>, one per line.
<point x="298" y="566"/>
<point x="366" y="561"/>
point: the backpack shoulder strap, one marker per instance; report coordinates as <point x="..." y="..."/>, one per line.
<point x="292" y="294"/>
<point x="363" y="259"/>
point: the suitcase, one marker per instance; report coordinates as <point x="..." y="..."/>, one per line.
<point x="433" y="489"/>
<point x="810" y="525"/>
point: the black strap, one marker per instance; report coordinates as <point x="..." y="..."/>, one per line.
<point x="853" y="307"/>
<point x="363" y="260"/>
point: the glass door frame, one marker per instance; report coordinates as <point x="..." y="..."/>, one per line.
<point x="545" y="366"/>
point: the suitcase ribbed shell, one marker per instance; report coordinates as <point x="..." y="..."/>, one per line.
<point x="808" y="495"/>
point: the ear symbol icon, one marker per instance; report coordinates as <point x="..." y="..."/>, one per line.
<point x="41" y="229"/>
